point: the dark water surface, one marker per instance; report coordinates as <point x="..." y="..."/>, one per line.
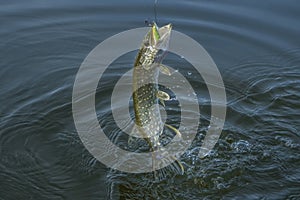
<point x="255" y="45"/>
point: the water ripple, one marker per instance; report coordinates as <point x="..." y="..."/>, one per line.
<point x="255" y="46"/>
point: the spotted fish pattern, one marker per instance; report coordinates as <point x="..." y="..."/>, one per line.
<point x="146" y="95"/>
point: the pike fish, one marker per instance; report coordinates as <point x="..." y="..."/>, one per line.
<point x="146" y="95"/>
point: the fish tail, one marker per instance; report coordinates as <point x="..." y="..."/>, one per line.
<point x="160" y="174"/>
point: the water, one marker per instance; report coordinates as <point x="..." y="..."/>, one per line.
<point x="255" y="45"/>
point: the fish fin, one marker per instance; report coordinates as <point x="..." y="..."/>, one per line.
<point x="162" y="95"/>
<point x="165" y="69"/>
<point x="180" y="166"/>
<point x="162" y="102"/>
<point x="163" y="173"/>
<point x="174" y="129"/>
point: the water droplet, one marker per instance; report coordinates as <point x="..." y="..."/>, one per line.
<point x="241" y="146"/>
<point x="189" y="73"/>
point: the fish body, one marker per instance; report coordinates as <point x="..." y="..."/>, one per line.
<point x="145" y="84"/>
<point x="146" y="95"/>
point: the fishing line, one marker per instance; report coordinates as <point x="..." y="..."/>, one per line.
<point x="155" y="11"/>
<point x="147" y="21"/>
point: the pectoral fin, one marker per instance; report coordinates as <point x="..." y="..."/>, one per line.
<point x="163" y="95"/>
<point x="174" y="129"/>
<point x="162" y="102"/>
<point x="165" y="69"/>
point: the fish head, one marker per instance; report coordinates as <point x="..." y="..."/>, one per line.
<point x="158" y="38"/>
